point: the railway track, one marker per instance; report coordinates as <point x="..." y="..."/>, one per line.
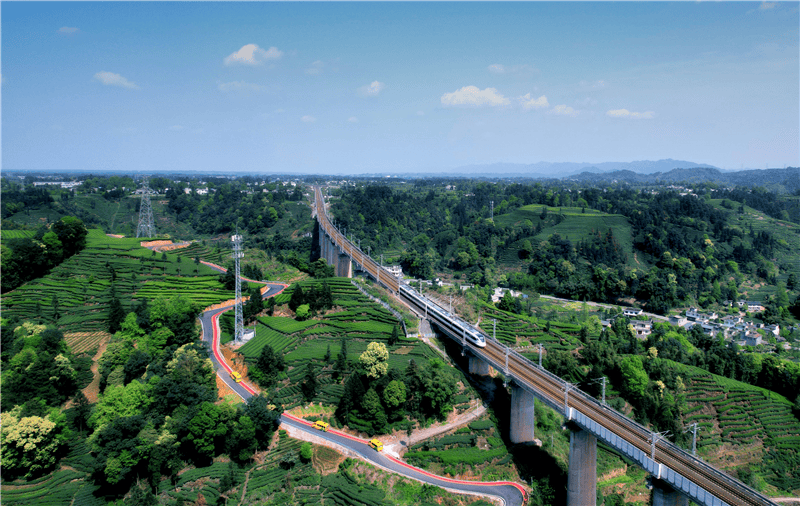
<point x="551" y="389"/>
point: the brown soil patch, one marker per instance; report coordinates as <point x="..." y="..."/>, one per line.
<point x="92" y="390"/>
<point x="326" y="460"/>
<point x="223" y="389"/>
<point x="234" y="359"/>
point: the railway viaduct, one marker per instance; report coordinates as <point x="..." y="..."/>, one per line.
<point x="677" y="476"/>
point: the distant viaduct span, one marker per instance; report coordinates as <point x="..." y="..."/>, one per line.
<point x="677" y="475"/>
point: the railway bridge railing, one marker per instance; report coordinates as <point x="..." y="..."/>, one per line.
<point x="678" y="475"/>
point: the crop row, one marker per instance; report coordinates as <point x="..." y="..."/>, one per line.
<point x="467" y="456"/>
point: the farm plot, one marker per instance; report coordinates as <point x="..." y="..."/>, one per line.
<point x="76" y="294"/>
<point x="16" y="234"/>
<point x="85" y="342"/>
<point x="472" y="449"/>
<point x="515" y="329"/>
<point x="359" y="323"/>
<point x="738" y="415"/>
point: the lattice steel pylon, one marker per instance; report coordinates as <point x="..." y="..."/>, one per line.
<point x="236" y="243"/>
<point x="147" y="227"/>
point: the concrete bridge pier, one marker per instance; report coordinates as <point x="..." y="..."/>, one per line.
<point x="522" y="415"/>
<point x="344" y="266"/>
<point x="582" y="479"/>
<point x="664" y="495"/>
<point x="478" y="366"/>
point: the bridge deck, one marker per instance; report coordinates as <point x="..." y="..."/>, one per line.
<point x="708" y="485"/>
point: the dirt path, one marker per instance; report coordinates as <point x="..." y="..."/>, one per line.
<point x="92" y="390"/>
<point x="397" y="443"/>
<point x="786" y="499"/>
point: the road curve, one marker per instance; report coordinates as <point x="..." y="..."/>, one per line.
<point x="511" y="493"/>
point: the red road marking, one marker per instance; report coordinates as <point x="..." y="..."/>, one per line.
<point x="409" y="466"/>
<point x="215" y="341"/>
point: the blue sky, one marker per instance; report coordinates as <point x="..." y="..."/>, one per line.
<point x="396" y="87"/>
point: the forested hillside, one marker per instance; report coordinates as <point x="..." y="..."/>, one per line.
<point x="656" y="247"/>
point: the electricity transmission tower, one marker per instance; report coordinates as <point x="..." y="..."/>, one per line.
<point x="147" y="227"/>
<point x="236" y="241"/>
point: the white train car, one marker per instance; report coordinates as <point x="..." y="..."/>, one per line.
<point x="454" y="324"/>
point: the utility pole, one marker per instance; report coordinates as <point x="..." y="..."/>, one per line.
<point x="492" y="211"/>
<point x="494" y="329"/>
<point x="567" y="387"/>
<point x="238" y="254"/>
<point x="656" y="436"/>
<point x="693" y="429"/>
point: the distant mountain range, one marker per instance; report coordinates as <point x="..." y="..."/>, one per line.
<point x="561" y="169"/>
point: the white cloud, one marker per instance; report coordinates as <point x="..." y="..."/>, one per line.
<point x="767" y="5"/>
<point x="529" y="103"/>
<point x="472" y="95"/>
<point x="315" y="68"/>
<point x="176" y="128"/>
<point x="624" y="113"/>
<point x="352" y="119"/>
<point x="68" y="30"/>
<point x="112" y="79"/>
<point x="238" y="86"/>
<point x="420" y="113"/>
<point x="308" y="119"/>
<point x="251" y="54"/>
<point x="372" y="89"/>
<point x="497" y="68"/>
<point x="563" y="110"/>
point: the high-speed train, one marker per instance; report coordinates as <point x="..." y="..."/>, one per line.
<point x="456" y="326"/>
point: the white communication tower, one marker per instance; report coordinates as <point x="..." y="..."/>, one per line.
<point x="236" y="242"/>
<point x="147" y="227"/>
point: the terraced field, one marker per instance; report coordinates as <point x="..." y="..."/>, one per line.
<point x="518" y="330"/>
<point x="82" y="284"/>
<point x="17" y="234"/>
<point x="355" y="318"/>
<point x="740" y="424"/>
<point x="575" y="225"/>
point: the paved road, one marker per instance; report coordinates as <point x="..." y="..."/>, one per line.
<point x="511" y="493"/>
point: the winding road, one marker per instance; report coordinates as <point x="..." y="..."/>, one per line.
<point x="512" y="494"/>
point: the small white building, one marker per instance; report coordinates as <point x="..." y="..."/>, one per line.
<point x="631" y="312"/>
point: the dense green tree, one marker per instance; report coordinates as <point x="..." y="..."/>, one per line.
<point x="31" y="445"/>
<point x="241" y="440"/>
<point x="204" y="431"/>
<point x="373" y="411"/>
<point x="374" y="360"/>
<point x="341" y="360"/>
<point x="264" y="417"/>
<point x="297" y="299"/>
<point x="309" y="385"/>
<point x="267" y="367"/>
